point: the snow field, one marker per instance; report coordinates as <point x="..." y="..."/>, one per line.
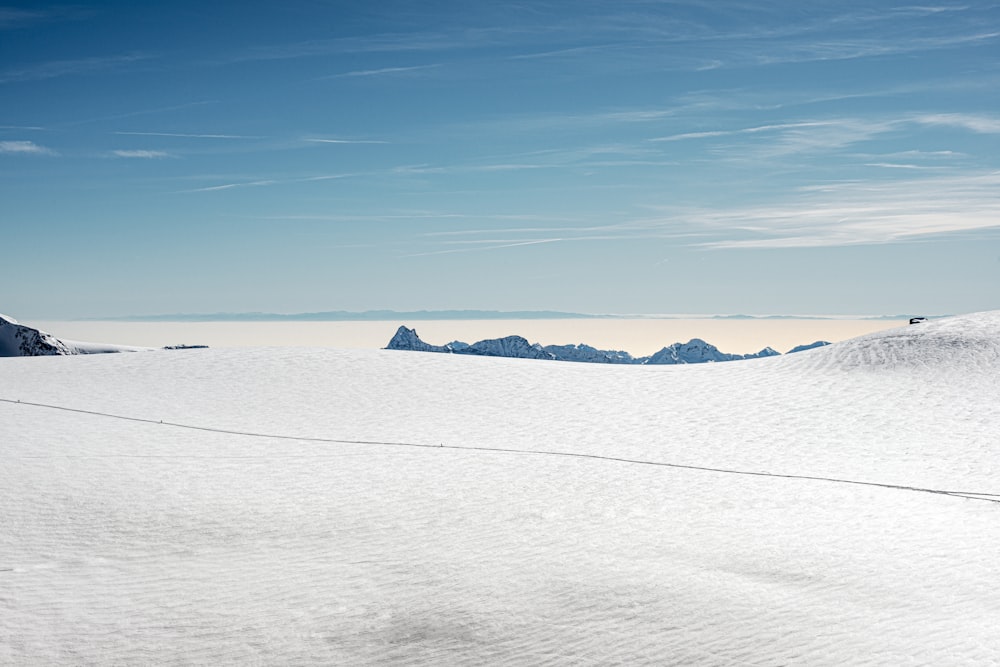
<point x="140" y="543"/>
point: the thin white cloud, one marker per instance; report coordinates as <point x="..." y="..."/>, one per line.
<point x="57" y="68"/>
<point x="141" y="154"/>
<point x="230" y="186"/>
<point x="496" y="246"/>
<point x="778" y="127"/>
<point x="639" y="115"/>
<point x="328" y="177"/>
<point x="383" y="71"/>
<point x="782" y="139"/>
<point x="859" y="213"/>
<point x="569" y="51"/>
<point x="895" y="165"/>
<point x="14" y="17"/>
<point x="24" y="148"/>
<point x="192" y="136"/>
<point x="272" y="181"/>
<point x="694" y="135"/>
<point x="982" y="124"/>
<point x="140" y="112"/>
<point x="470" y="38"/>
<point x="344" y="141"/>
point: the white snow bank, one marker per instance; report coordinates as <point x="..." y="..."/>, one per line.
<point x="80" y="347"/>
<point x="136" y="542"/>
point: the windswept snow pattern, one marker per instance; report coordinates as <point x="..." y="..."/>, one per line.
<point x="135" y="542"/>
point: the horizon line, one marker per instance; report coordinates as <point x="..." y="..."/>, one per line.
<point x="468" y="314"/>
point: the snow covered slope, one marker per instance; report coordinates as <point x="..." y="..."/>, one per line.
<point x="18" y="340"/>
<point x="374" y="507"/>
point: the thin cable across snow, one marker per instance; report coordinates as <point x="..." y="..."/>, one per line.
<point x="970" y="495"/>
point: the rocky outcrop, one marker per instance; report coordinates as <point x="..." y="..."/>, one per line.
<point x="589" y="354"/>
<point x="18" y="340"/>
<point x="407" y="339"/>
<point x="810" y="346"/>
<point x="695" y="351"/>
<point x="510" y="346"/>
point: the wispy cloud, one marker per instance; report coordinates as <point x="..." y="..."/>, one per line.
<point x="57" y="68"/>
<point x="14" y="17"/>
<point x="272" y="181"/>
<point x="382" y="71"/>
<point x="895" y="165"/>
<point x="230" y="186"/>
<point x="858" y="213"/>
<point x="24" y="148"/>
<point x="697" y="135"/>
<point x="11" y="17"/>
<point x="487" y="245"/>
<point x="779" y="140"/>
<point x="982" y="124"/>
<point x="141" y="154"/>
<point x="570" y="51"/>
<point x="825" y="135"/>
<point x="775" y="128"/>
<point x="190" y="136"/>
<point x="416" y="41"/>
<point x="139" y="112"/>
<point x="344" y="141"/>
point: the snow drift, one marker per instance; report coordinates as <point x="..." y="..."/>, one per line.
<point x="369" y="507"/>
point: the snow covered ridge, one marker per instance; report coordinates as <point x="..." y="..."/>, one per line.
<point x="18" y="340"/>
<point x="695" y="351"/>
<point x="963" y="341"/>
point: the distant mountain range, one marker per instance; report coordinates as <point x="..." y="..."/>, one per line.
<point x="695" y="351"/>
<point x="364" y="316"/>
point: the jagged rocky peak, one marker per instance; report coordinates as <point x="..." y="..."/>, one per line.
<point x="407" y="339"/>
<point x="589" y="354"/>
<point x="695" y="351"/>
<point x="18" y="340"/>
<point x="509" y="346"/>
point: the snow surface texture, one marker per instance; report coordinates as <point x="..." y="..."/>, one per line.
<point x="695" y="351"/>
<point x="136" y="542"/>
<point x="18" y="340"/>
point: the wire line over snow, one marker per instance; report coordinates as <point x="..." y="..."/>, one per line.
<point x="970" y="495"/>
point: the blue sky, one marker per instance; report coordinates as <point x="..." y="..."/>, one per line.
<point x="600" y="157"/>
